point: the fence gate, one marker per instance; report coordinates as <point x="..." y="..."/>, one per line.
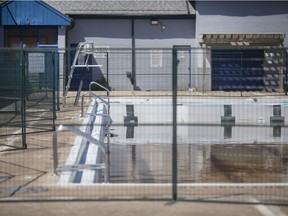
<point x="28" y="95"/>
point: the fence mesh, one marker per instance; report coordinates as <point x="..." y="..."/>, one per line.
<point x="28" y="87"/>
<point x="182" y="123"/>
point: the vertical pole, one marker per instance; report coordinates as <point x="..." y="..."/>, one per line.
<point x="281" y="72"/>
<point x="57" y="76"/>
<point x="107" y="72"/>
<point x="241" y="79"/>
<point x="55" y="152"/>
<point x="204" y="70"/>
<point x="133" y="53"/>
<point x="108" y="139"/>
<point x="286" y="68"/>
<point x="54" y="90"/>
<point x="190" y="69"/>
<point x="83" y="75"/>
<point x="23" y="105"/>
<point x="174" y="116"/>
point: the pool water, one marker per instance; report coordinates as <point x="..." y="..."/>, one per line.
<point x="249" y="151"/>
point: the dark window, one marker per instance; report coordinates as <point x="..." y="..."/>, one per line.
<point x="48" y="37"/>
<point x="30" y="37"/>
<point x="12" y="38"/>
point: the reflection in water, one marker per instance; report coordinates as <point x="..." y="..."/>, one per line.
<point x="227" y="132"/>
<point x="130" y="121"/>
<point x="277" y="131"/>
<point x="133" y="163"/>
<point x="147" y="158"/>
<point x="249" y="163"/>
<point x="200" y="163"/>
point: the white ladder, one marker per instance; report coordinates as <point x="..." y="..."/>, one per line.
<point x="86" y="48"/>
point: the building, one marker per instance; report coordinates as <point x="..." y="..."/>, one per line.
<point x="142" y="30"/>
<point x="252" y="25"/>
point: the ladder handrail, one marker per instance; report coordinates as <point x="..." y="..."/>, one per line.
<point x="80" y="133"/>
<point x="78" y="50"/>
<point x="96" y="97"/>
<point x="107" y="103"/>
<point x="101" y="99"/>
<point x="93" y="82"/>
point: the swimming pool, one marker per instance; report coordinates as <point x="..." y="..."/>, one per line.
<point x="250" y="149"/>
<point x="208" y="150"/>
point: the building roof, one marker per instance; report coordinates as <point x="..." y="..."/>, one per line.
<point x="31" y="13"/>
<point x="123" y="7"/>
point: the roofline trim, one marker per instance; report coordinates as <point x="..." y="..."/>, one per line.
<point x="93" y="16"/>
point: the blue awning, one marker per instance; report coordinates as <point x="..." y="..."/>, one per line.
<point x="31" y="12"/>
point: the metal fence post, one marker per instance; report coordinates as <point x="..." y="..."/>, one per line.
<point x="286" y="68"/>
<point x="23" y="99"/>
<point x="174" y="113"/>
<point x="107" y="71"/>
<point x="54" y="90"/>
<point x="204" y="69"/>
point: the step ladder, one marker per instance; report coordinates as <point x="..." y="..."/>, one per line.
<point x="84" y="48"/>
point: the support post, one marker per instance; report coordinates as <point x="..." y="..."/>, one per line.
<point x="174" y="113"/>
<point x="204" y="69"/>
<point x="23" y="99"/>
<point x="133" y="54"/>
<point x="281" y="73"/>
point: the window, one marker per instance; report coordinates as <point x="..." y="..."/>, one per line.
<point x="27" y="37"/>
<point x="48" y="37"/>
<point x="12" y="38"/>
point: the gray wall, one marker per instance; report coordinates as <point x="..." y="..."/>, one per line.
<point x="104" y="32"/>
<point x="154" y="37"/>
<point x="111" y="34"/>
<point x="169" y="32"/>
<point x="117" y="36"/>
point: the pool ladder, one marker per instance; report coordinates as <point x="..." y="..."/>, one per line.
<point x="103" y="147"/>
<point x="86" y="48"/>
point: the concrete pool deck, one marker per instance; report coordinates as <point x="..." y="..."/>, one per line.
<point x="131" y="208"/>
<point x="27" y="174"/>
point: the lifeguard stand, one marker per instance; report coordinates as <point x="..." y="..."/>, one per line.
<point x="86" y="48"/>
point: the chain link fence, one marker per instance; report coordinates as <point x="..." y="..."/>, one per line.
<point x="181" y="123"/>
<point x="28" y="93"/>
